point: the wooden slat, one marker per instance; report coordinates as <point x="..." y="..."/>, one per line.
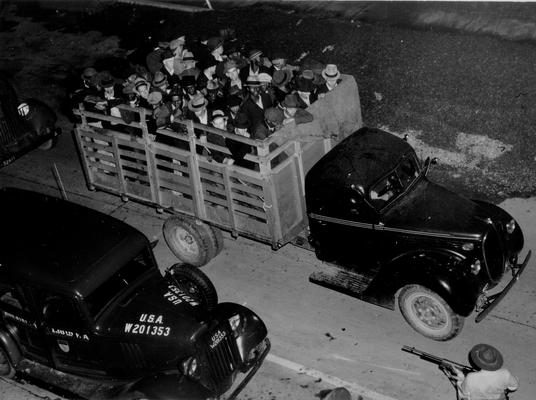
<point x="135" y="165"/>
<point x="132" y="154"/>
<point x="98" y="146"/>
<point x="170" y="165"/>
<point x="179" y="155"/>
<point x="100" y="156"/>
<point x="130" y="145"/>
<point x="135" y="176"/>
<point x="250" y="211"/>
<point x="175" y="185"/>
<point x="98" y="165"/>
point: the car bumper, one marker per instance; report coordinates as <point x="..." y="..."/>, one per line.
<point x="488" y="303"/>
<point x="264" y="348"/>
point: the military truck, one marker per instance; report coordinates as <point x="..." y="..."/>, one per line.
<point x="359" y="197"/>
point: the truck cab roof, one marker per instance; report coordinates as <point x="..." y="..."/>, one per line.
<point x="49" y="242"/>
<point x="361" y="159"/>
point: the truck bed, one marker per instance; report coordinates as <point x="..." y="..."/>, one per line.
<point x="168" y="172"/>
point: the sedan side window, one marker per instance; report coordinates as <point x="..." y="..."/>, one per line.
<point x="9" y="295"/>
<point x="61" y="312"/>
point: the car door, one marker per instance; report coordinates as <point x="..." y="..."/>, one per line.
<point x="344" y="229"/>
<point x="18" y="316"/>
<point x="72" y="344"/>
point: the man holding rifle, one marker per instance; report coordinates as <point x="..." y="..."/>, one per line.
<point x="484" y="380"/>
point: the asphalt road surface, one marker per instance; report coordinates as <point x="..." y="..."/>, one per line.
<point x="320" y="338"/>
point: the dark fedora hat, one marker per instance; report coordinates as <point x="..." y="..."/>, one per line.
<point x="281" y="77"/>
<point x="290" y="101"/>
<point x="304" y="85"/>
<point x="486" y="357"/>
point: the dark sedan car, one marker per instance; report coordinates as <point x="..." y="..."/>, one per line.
<point x="84" y="306"/>
<point x="395" y="234"/>
<point x="24" y="125"/>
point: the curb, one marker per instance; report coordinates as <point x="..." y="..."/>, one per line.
<point x="161" y="4"/>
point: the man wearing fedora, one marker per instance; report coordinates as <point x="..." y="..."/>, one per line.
<point x="255" y="66"/>
<point x="331" y="77"/>
<point x="256" y="102"/>
<point x="280" y="84"/>
<point x="490" y="382"/>
<point x="293" y="112"/>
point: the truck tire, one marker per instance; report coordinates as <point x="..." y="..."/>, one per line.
<point x="216" y="238"/>
<point x="428" y="313"/>
<point x="194" y="283"/>
<point x="6" y="368"/>
<point x="190" y="240"/>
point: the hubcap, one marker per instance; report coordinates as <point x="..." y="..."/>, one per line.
<point x="429" y="312"/>
<point x="185" y="242"/>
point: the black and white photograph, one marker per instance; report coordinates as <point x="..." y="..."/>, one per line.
<point x="267" y="200"/>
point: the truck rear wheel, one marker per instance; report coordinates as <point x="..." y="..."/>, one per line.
<point x="193" y="283"/>
<point x="189" y="239"/>
<point x="428" y="313"/>
<point x="6" y="368"/>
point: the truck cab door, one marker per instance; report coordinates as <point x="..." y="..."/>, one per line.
<point x="343" y="231"/>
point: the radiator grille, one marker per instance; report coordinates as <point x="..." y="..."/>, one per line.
<point x="223" y="358"/>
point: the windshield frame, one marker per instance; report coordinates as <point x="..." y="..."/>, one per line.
<point x="387" y="178"/>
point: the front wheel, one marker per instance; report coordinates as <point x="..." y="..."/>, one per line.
<point x="428" y="313"/>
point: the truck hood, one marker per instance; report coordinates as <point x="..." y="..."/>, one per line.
<point x="431" y="208"/>
<point x="154" y="308"/>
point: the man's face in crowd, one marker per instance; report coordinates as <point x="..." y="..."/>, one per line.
<point x="143" y="91"/>
<point x="254" y="91"/>
<point x="190" y="89"/>
<point x="220" y="123"/>
<point x="232" y="74"/>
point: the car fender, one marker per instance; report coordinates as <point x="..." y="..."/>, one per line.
<point x="255" y="330"/>
<point x="166" y="386"/>
<point x="438" y="270"/>
<point x="41" y="117"/>
<point x="11" y="346"/>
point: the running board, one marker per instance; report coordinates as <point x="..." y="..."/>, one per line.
<point x="341" y="280"/>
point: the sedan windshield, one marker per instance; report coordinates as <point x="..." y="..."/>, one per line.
<point x="394" y="183"/>
<point x="97" y="301"/>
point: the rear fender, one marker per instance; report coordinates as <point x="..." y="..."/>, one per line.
<point x="42" y="118"/>
<point x="440" y="271"/>
<point x="11" y="346"/>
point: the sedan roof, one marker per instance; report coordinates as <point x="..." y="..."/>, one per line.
<point x="49" y="242"/>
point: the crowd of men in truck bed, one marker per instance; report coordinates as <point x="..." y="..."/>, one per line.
<point x="216" y="82"/>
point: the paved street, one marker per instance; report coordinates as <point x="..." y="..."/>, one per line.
<point x="320" y="338"/>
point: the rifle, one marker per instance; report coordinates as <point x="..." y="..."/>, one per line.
<point x="443" y="363"/>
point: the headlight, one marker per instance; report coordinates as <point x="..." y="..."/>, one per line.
<point x="23" y="109"/>
<point x="511" y="226"/>
<point x="235" y="321"/>
<point x="189" y="367"/>
<point x="475" y="267"/>
<point x="468" y="246"/>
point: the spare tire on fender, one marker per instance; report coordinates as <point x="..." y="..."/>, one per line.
<point x="195" y="287"/>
